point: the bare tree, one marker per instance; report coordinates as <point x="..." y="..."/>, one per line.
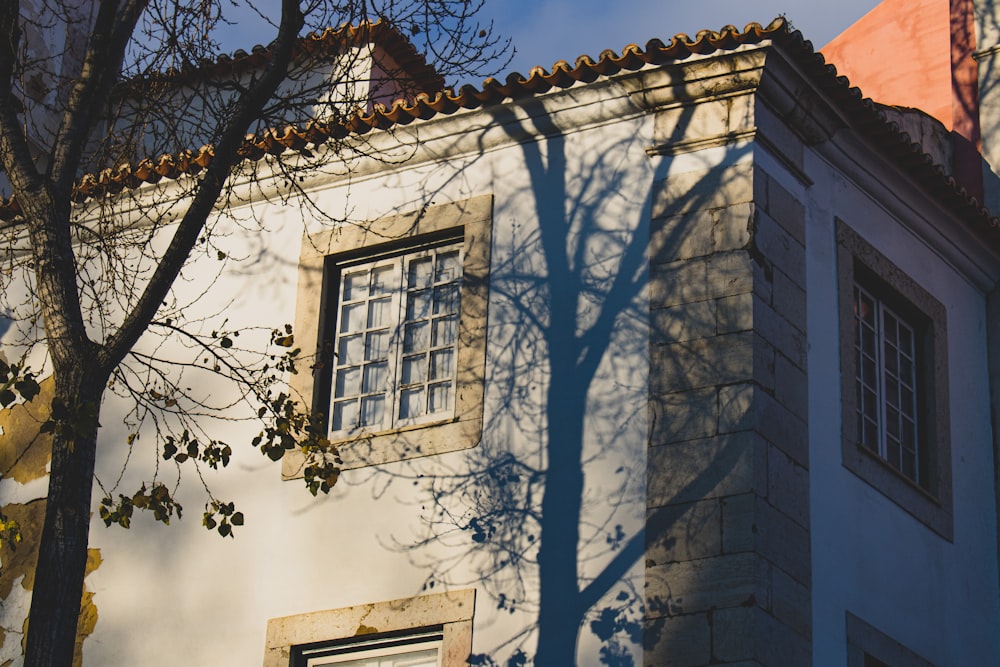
<point x="99" y="225"/>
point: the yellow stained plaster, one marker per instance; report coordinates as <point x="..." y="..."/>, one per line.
<point x="24" y="452"/>
<point x="24" y="457"/>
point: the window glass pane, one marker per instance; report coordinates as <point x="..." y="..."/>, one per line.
<point x="892" y="453"/>
<point x="444" y="332"/>
<point x="906" y="339"/>
<point x="906" y="371"/>
<point x="892" y="393"/>
<point x="345" y="415"/>
<point x="871" y="435"/>
<point x="348" y="382"/>
<point x="870" y="403"/>
<point x="355" y="285"/>
<point x="411" y="403"/>
<point x="909" y="464"/>
<point x="440" y="397"/>
<point x="863" y="308"/>
<point x="892" y="422"/>
<point x="382" y="280"/>
<point x="378" y="312"/>
<point x="868" y="371"/>
<point x="891" y="360"/>
<point x="418" y="305"/>
<point x="352" y="318"/>
<point x="420" y="274"/>
<point x="376" y="377"/>
<point x="372" y="410"/>
<point x="414" y="369"/>
<point x="448" y="267"/>
<point x="351" y="349"/>
<point x="416" y="337"/>
<point x="377" y="346"/>
<point x="889" y="328"/>
<point x="906" y="401"/>
<point x="441" y="364"/>
<point x="446" y="299"/>
<point x="908" y="435"/>
<point x="868" y="341"/>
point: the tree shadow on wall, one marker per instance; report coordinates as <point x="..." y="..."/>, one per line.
<point x="554" y="511"/>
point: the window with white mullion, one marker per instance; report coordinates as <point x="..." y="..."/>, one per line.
<point x="899" y="386"/>
<point x="364" y="368"/>
<point x="430" y="332"/>
<point x="885" y="347"/>
<point x="395" y="349"/>
<point x="867" y="348"/>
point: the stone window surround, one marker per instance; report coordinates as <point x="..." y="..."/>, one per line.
<point x="471" y="221"/>
<point x="451" y="611"/>
<point x="864" y="640"/>
<point x="932" y="507"/>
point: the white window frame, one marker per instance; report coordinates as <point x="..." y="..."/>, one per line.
<point x="397" y="292"/>
<point x="887" y="372"/>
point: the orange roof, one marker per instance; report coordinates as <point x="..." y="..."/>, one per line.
<point x="887" y="136"/>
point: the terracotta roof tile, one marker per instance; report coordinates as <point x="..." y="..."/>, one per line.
<point x="864" y="113"/>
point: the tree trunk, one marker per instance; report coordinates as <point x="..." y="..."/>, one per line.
<point x="62" y="552"/>
<point x="559" y="615"/>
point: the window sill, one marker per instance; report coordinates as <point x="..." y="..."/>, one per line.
<point x="408" y="442"/>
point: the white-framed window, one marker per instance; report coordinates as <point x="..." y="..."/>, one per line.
<point x="408" y="650"/>
<point x="887" y="407"/>
<point x="894" y="389"/>
<point x="395" y="349"/>
<point x="452" y="400"/>
<point x="432" y="630"/>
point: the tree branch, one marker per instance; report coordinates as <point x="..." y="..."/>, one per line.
<point x="207" y="192"/>
<point x="101" y="70"/>
<point x="15" y="156"/>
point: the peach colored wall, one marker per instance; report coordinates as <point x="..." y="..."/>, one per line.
<point x="899" y="54"/>
<point x="918" y="53"/>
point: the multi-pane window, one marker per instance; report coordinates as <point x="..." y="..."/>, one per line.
<point x="395" y="347"/>
<point x="409" y="650"/>
<point x="895" y="386"/>
<point x="886" y="384"/>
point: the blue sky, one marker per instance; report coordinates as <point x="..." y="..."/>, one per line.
<point x="544" y="32"/>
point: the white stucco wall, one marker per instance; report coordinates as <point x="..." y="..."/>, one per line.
<point x="179" y="592"/>
<point x="166" y="594"/>
<point x="869" y="556"/>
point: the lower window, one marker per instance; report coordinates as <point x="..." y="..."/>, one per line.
<point x="425" y="631"/>
<point x="867" y="646"/>
<point x="421" y="649"/>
